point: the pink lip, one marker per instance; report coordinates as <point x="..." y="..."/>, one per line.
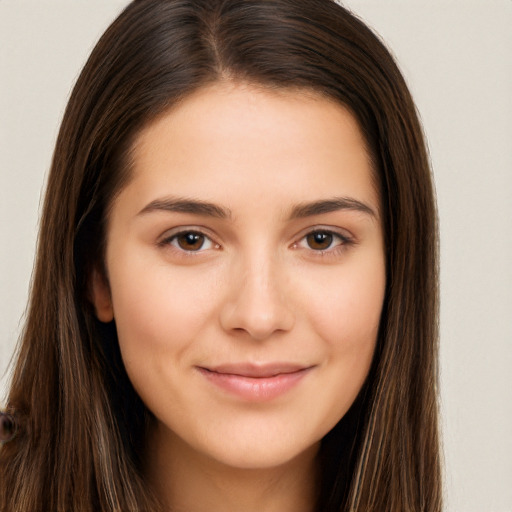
<point x="256" y="383"/>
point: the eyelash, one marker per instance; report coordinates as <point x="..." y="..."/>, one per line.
<point x="168" y="241"/>
<point x="343" y="242"/>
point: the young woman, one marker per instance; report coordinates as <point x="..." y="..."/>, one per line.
<point x="235" y="295"/>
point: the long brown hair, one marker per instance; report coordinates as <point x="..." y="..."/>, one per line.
<point x="81" y="426"/>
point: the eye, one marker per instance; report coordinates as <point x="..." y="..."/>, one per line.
<point x="190" y="241"/>
<point x="322" y="240"/>
<point x="319" y="240"/>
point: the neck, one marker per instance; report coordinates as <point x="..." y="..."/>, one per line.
<point x="186" y="481"/>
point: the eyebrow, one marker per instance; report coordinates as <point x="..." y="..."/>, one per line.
<point x="185" y="205"/>
<point x="302" y="210"/>
<point x="330" y="205"/>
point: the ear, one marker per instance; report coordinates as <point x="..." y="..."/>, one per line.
<point x="100" y="297"/>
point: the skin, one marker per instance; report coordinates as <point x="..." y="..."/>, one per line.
<point x="273" y="281"/>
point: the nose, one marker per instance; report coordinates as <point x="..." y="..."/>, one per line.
<point x="257" y="304"/>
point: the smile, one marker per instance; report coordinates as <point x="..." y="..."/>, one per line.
<point x="256" y="383"/>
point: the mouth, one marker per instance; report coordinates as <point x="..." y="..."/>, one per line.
<point x="255" y="383"/>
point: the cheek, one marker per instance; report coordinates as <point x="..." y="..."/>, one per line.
<point x="346" y="310"/>
<point x="158" y="310"/>
<point x="345" y="314"/>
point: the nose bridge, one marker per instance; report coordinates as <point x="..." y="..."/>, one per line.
<point x="259" y="303"/>
<point x="259" y="268"/>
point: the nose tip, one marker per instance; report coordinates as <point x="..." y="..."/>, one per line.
<point x="259" y="308"/>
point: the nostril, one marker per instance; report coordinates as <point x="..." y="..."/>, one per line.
<point x="8" y="427"/>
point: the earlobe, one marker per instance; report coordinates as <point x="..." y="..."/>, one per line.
<point x="100" y="297"/>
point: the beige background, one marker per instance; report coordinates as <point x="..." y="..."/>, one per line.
<point x="457" y="57"/>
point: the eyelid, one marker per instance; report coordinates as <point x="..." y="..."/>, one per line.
<point x="343" y="235"/>
<point x="171" y="234"/>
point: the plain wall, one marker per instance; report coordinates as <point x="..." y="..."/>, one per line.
<point x="457" y="58"/>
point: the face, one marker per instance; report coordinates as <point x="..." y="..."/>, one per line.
<point x="246" y="272"/>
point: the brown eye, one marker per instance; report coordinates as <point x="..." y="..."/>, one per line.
<point x="190" y="241"/>
<point x="319" y="240"/>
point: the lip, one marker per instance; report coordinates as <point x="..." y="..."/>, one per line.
<point x="256" y="383"/>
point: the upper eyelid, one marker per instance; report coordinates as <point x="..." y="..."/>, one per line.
<point x="166" y="242"/>
<point x="344" y="240"/>
<point x="171" y="233"/>
<point x="341" y="232"/>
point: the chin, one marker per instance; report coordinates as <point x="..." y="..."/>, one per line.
<point x="256" y="444"/>
<point x="253" y="457"/>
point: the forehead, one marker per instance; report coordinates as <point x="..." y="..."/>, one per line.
<point x="241" y="139"/>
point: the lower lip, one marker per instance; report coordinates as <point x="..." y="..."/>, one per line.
<point x="255" y="389"/>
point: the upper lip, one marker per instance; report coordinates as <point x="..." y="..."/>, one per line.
<point x="256" y="370"/>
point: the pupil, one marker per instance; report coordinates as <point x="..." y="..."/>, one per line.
<point x="191" y="241"/>
<point x="319" y="240"/>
